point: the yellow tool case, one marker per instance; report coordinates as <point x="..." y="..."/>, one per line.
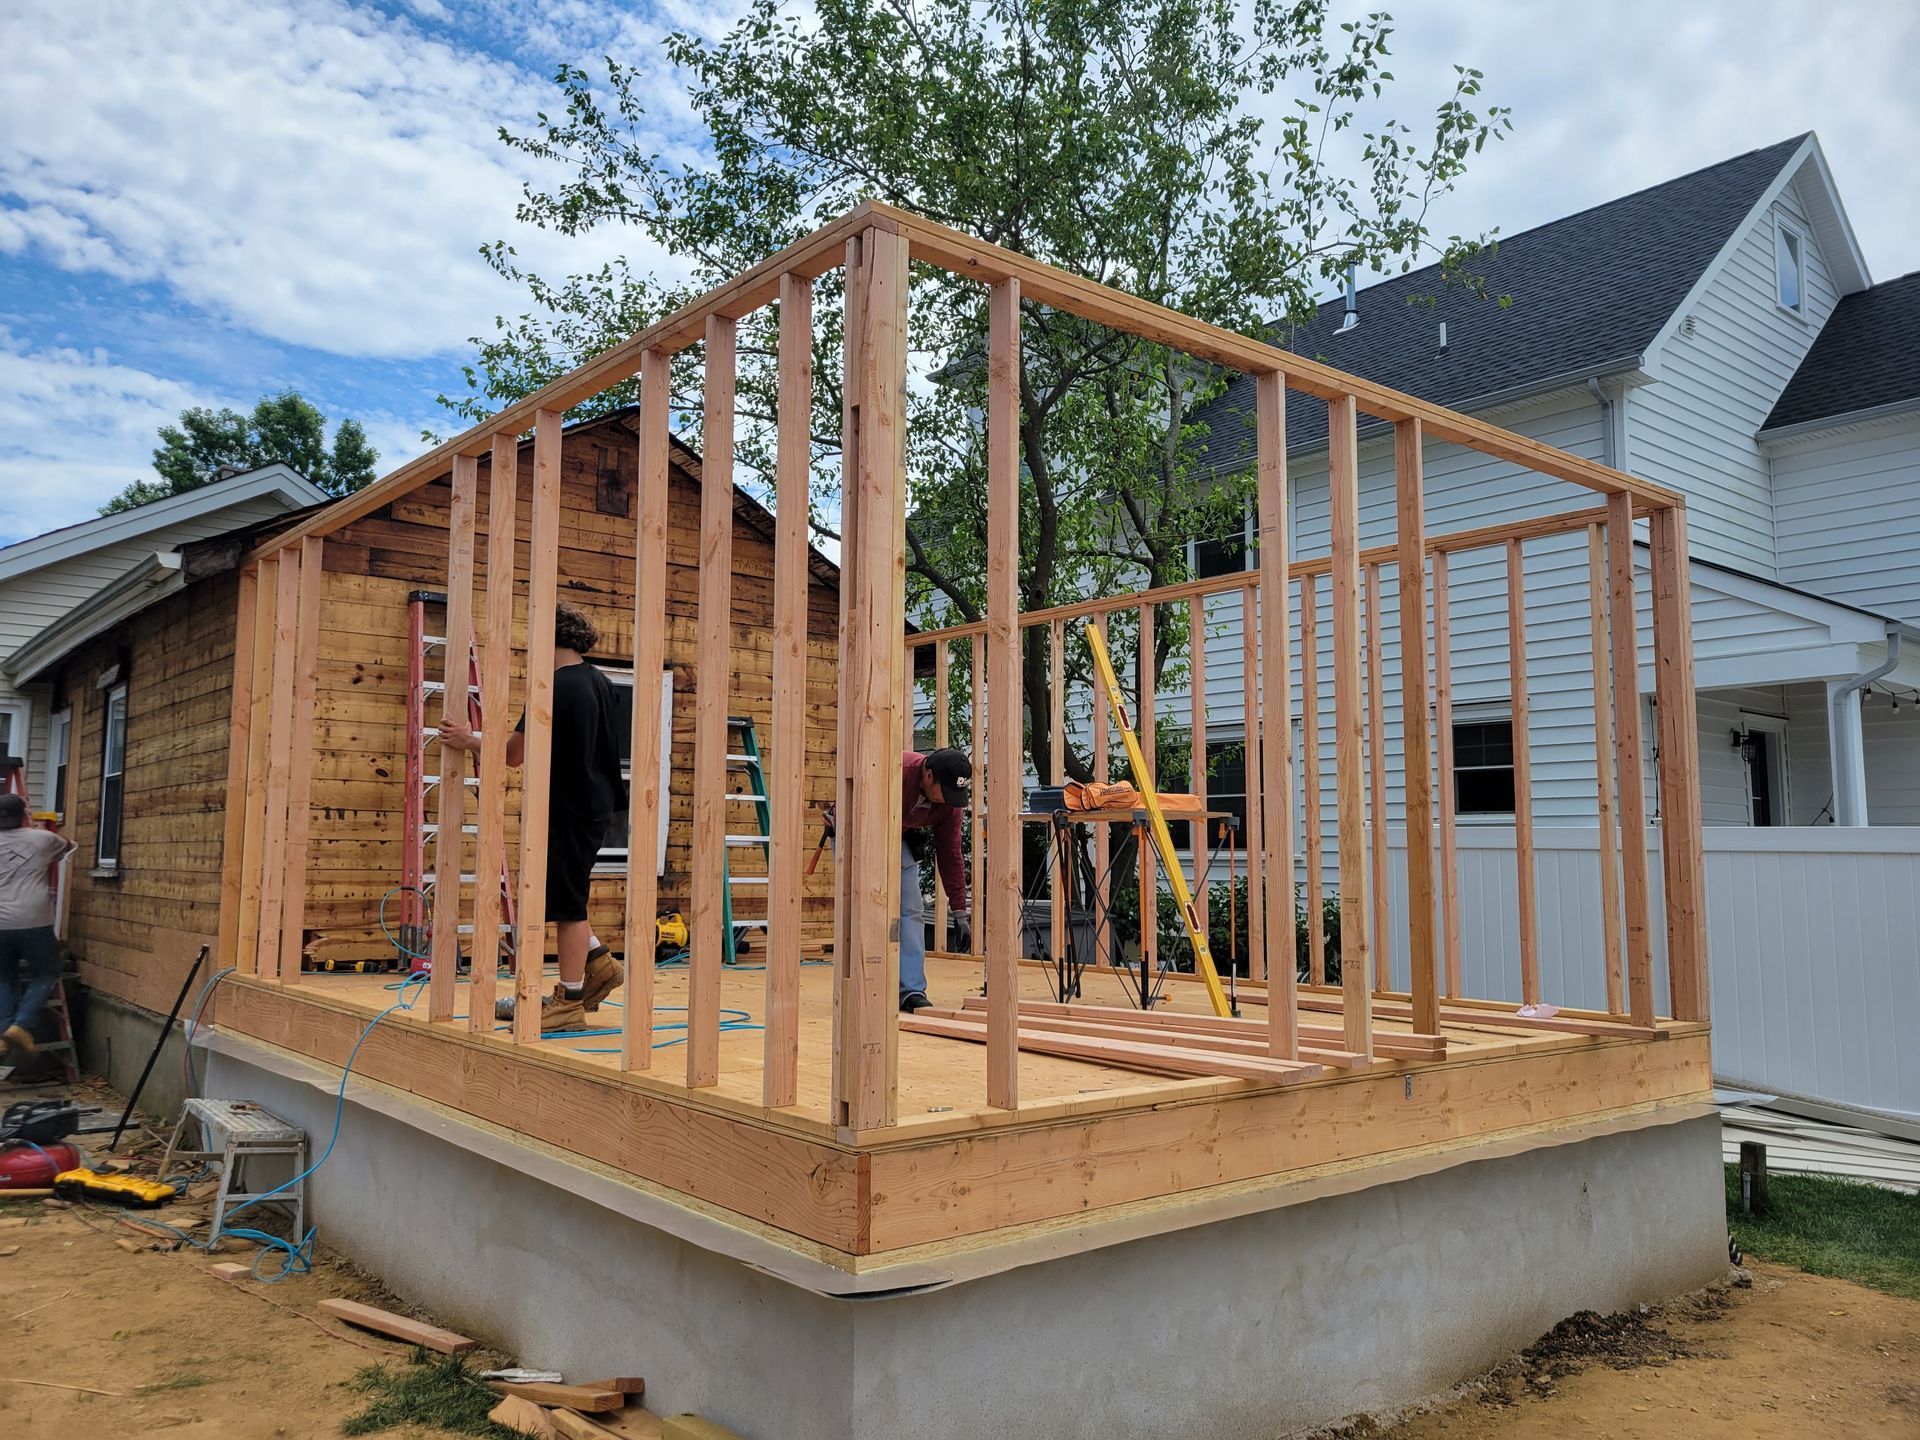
<point x="127" y="1190"/>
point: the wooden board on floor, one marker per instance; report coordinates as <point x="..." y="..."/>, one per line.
<point x="1159" y="1059"/>
<point x="417" y="1332"/>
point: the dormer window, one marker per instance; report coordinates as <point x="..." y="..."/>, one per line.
<point x="1789" y="277"/>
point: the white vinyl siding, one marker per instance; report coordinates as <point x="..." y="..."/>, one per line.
<point x="1847" y="516"/>
<point x="31" y="602"/>
<point x="1891" y="744"/>
<point x="1693" y="429"/>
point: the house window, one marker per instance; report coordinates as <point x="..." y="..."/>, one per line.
<point x="113" y="764"/>
<point x="1483" y="764"/>
<point x="1224" y="555"/>
<point x="1226" y="791"/>
<point x="614" y="850"/>
<point x="13" y="728"/>
<point x="59" y="744"/>
<point x="1788" y="274"/>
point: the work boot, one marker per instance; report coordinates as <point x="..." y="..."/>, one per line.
<point x="603" y="977"/>
<point x="20" y="1040"/>
<point x="912" y="1001"/>
<point x="560" y="1011"/>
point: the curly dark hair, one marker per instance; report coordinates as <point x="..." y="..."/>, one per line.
<point x="572" y="630"/>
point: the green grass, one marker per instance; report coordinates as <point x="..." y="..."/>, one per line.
<point x="1838" y="1228"/>
<point x="432" y="1390"/>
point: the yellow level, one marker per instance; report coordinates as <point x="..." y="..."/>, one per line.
<point x="1162" y="837"/>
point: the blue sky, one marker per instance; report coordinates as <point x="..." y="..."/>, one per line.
<point x="203" y="202"/>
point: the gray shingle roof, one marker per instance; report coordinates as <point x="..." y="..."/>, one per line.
<point x="1589" y="292"/>
<point x="1867" y="355"/>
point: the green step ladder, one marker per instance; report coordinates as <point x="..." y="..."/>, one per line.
<point x="743" y="758"/>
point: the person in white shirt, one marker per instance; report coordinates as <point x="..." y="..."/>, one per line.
<point x="29" y="953"/>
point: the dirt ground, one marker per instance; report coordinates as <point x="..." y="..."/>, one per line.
<point x="1791" y="1357"/>
<point x="104" y="1330"/>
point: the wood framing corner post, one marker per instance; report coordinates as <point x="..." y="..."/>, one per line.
<point x="536" y="771"/>
<point x="1356" y="955"/>
<point x="1000" y="905"/>
<point x="1410" y="503"/>
<point x="450" y="849"/>
<point x="787" y="807"/>
<point x="1681" y="844"/>
<point x="305" y="657"/>
<point x="713" y="681"/>
<point x="872" y="673"/>
<point x="1274" y="736"/>
<point x="233" y="855"/>
<point x="496" y="680"/>
<point x="649" y="660"/>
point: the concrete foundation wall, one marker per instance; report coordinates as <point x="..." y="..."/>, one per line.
<point x="1242" y="1329"/>
<point x="115" y="1039"/>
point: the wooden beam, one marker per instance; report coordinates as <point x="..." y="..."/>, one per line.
<point x="1325" y="1039"/>
<point x="976" y="942"/>
<point x="1416" y="762"/>
<point x="1254" y="797"/>
<point x="1310" y="779"/>
<point x="1128" y="1025"/>
<point x="810" y="257"/>
<point x="1280" y="960"/>
<point x="496" y="706"/>
<point x="233" y="844"/>
<point x="1380" y="886"/>
<point x="1057" y="738"/>
<point x="712" y="700"/>
<point x="1356" y="955"/>
<point x="644" y="799"/>
<point x="950" y="250"/>
<point x="1603" y="775"/>
<point x="281" y="743"/>
<point x="942" y="739"/>
<point x="1629" y="761"/>
<point x="305" y="656"/>
<point x="1197" y="741"/>
<point x="1149" y="687"/>
<point x="788" y="799"/>
<point x="1160" y="1059"/>
<point x="1001" y="901"/>
<point x="1522" y="775"/>
<point x="847" y="980"/>
<point x="416" y="1332"/>
<point x="1681" y="847"/>
<point x="536" y="772"/>
<point x="1443" y="725"/>
<point x="260" y="705"/>
<point x="1101" y="722"/>
<point x="450" y="849"/>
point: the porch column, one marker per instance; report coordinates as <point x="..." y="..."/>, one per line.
<point x="1847" y="753"/>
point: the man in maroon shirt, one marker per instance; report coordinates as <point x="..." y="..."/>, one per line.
<point x="936" y="793"/>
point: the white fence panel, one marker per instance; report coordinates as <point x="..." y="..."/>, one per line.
<point x="1813" y="938"/>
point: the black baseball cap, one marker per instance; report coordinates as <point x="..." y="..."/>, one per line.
<point x="952" y="770"/>
<point x="13" y="811"/>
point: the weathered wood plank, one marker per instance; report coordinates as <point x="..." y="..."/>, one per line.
<point x="1000" y="904"/>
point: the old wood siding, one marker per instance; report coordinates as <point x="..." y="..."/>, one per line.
<point x="359" y="763"/>
<point x="134" y="930"/>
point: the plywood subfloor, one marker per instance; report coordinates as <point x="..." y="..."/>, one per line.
<point x="941" y="1082"/>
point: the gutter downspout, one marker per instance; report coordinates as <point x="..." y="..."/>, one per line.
<point x="1846" y="746"/>
<point x="1605" y="402"/>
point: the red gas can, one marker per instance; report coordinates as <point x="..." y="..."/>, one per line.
<point x="25" y="1166"/>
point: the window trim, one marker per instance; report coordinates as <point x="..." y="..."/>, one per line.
<point x="21" y="708"/>
<point x="60" y="757"/>
<point x="1488" y="713"/>
<point x="613" y="859"/>
<point x="103" y="861"/>
<point x="1784" y="230"/>
<point x="1249" y="560"/>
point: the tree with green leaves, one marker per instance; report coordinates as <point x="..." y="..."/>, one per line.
<point x="286" y="427"/>
<point x="1225" y="160"/>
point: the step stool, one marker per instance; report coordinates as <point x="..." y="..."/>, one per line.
<point x="232" y="1132"/>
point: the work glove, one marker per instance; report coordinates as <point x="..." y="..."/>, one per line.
<point x="960" y="928"/>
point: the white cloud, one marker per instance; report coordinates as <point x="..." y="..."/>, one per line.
<point x="1612" y="98"/>
<point x="75" y="429"/>
<point x="311" y="172"/>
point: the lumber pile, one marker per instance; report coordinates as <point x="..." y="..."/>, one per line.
<point x="1126" y="1039"/>
<point x="583" y="1410"/>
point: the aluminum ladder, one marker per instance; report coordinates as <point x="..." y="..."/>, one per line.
<point x="743" y="760"/>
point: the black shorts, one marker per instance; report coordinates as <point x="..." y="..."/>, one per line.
<point x="573" y="845"/>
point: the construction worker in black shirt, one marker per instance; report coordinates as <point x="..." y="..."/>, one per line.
<point x="585" y="792"/>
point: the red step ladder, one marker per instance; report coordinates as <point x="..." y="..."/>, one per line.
<point x="417" y="877"/>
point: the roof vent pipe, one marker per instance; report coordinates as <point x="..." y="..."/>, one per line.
<point x="1352" y="317"/>
<point x="1443" y="337"/>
